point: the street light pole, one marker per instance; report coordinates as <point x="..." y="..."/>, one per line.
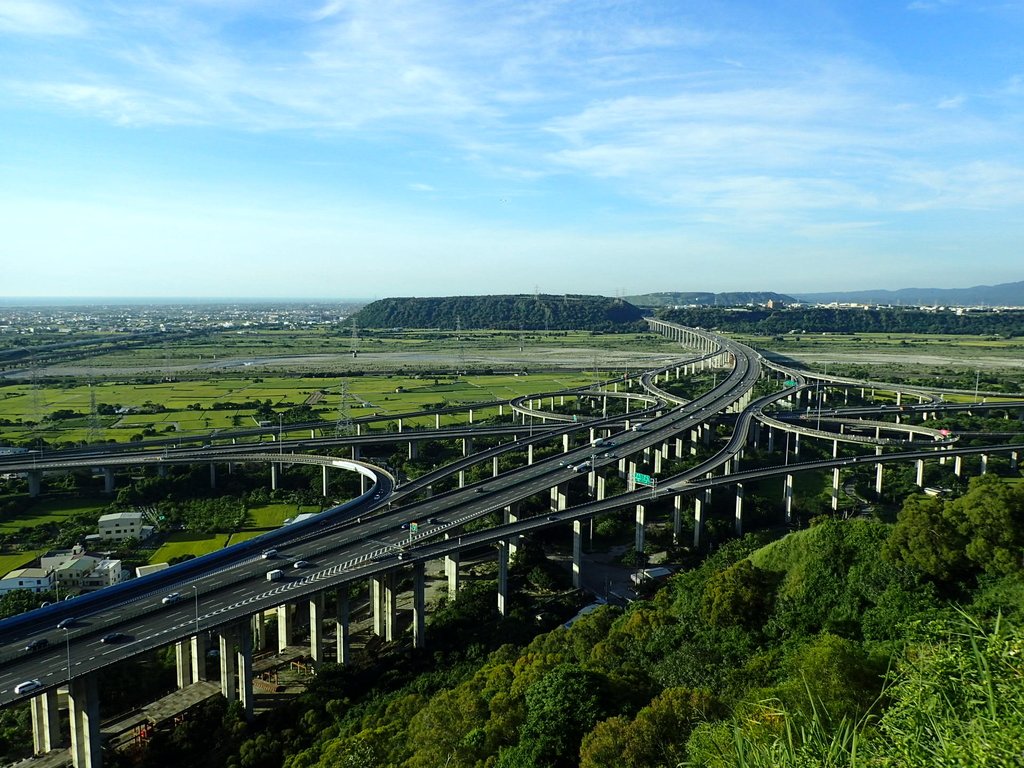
<point x="67" y="642"/>
<point x="195" y="592"/>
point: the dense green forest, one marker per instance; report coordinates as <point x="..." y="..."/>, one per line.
<point x="848" y="643"/>
<point x="529" y="312"/>
<point x="822" y="320"/>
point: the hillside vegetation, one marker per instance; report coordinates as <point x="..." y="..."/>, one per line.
<point x="823" y="320"/>
<point x="851" y="643"/>
<point x="508" y="312"/>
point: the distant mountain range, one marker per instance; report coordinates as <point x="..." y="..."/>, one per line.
<point x="705" y="299"/>
<point x="1002" y="295"/>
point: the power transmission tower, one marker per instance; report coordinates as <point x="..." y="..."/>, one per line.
<point x="461" y="346"/>
<point x="343" y="424"/>
<point x="95" y="431"/>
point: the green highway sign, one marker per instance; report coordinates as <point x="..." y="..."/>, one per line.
<point x="413" y="527"/>
<point x="790" y="383"/>
<point x="640" y="477"/>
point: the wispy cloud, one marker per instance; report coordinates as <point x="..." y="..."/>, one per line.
<point x="39" y="17"/>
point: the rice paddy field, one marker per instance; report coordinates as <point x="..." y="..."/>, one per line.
<point x="196" y="386"/>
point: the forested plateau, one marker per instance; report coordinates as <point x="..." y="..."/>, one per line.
<point x="505" y="312"/>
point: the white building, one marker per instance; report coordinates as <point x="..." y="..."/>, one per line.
<point x="73" y="571"/>
<point x="34" y="579"/>
<point x="119" y="526"/>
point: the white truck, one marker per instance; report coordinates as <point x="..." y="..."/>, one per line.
<point x="275" y="575"/>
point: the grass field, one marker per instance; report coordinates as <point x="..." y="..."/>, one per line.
<point x="9" y="562"/>
<point x="274" y="515"/>
<point x="184" y="543"/>
<point x="50" y="509"/>
<point x="367" y="395"/>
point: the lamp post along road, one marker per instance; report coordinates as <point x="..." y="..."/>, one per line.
<point x="67" y="643"/>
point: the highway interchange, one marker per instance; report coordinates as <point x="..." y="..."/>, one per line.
<point x="366" y="537"/>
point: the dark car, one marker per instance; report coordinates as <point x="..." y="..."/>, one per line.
<point x="65" y="623"/>
<point x="37" y="644"/>
<point x="114" y="637"/>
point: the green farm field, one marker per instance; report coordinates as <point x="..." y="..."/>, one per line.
<point x="188" y="404"/>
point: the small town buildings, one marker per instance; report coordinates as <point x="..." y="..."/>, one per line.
<point x="33" y="579"/>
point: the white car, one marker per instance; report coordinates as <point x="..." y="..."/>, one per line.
<point x="28" y="686"/>
<point x="171" y="598"/>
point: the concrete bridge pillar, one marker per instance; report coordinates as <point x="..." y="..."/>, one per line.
<point x="108" y="479"/>
<point x="512" y="516"/>
<point x="437" y="421"/>
<point x="226" y="657"/>
<point x="467" y="446"/>
<point x="657" y="462"/>
<point x="700" y="502"/>
<point x="503" y="578"/>
<point x="529" y="454"/>
<point x="389" y="604"/>
<point x="920" y="473"/>
<point x="243" y="658"/>
<point x="213" y="475"/>
<point x="198" y="648"/>
<point x="559" y="497"/>
<point x="377" y="604"/>
<point x="494" y="466"/>
<point x="679" y="447"/>
<point x="316" y="629"/>
<point x="285" y="635"/>
<point x="1013" y="460"/>
<point x="343" y="648"/>
<point x="45" y="722"/>
<point x="273" y="477"/>
<point x="787" y="497"/>
<point x="984" y="463"/>
<point x="958" y="466"/>
<point x="878" y="480"/>
<point x="414" y="450"/>
<point x="451" y="572"/>
<point x="739" y="509"/>
<point x="835" y="488"/>
<point x="35" y="483"/>
<point x="577" y="553"/>
<point x="641" y="520"/>
<point x="566" y="447"/>
<point x="183" y="663"/>
<point x="357" y="453"/>
<point x="835" y="449"/>
<point x="419" y="605"/>
<point x="622" y="468"/>
<point x="325" y="481"/>
<point x="462" y="478"/>
<point x="84" y="714"/>
<point x="677" y="517"/>
<point x="796" y="443"/>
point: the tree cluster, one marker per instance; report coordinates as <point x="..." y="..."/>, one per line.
<point x="825" y="320"/>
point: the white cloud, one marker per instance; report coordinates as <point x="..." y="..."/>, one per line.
<point x="38" y="17"/>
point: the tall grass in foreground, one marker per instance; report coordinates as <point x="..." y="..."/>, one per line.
<point x="956" y="699"/>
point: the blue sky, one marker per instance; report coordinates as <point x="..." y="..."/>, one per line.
<point x="368" y="149"/>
